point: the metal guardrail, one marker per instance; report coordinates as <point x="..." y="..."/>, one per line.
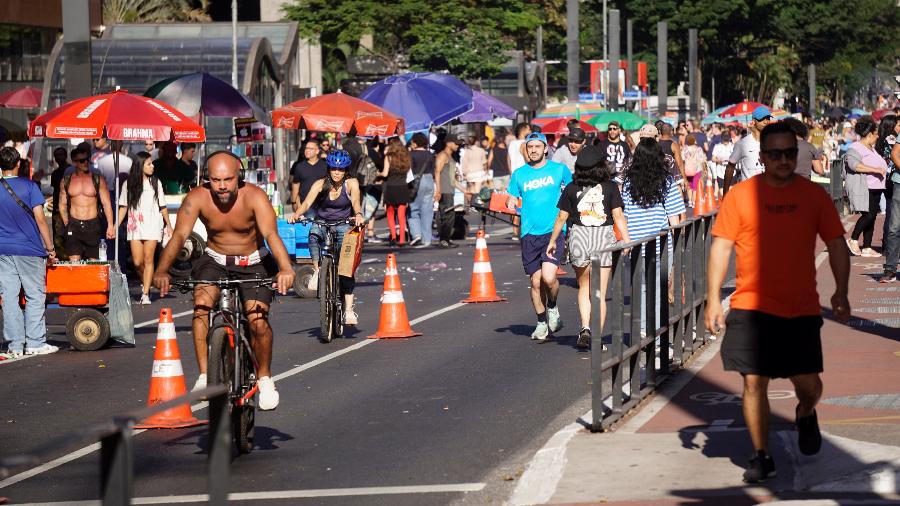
<point x="117" y="454"/>
<point x="679" y="327"/>
<point x="836" y="188"/>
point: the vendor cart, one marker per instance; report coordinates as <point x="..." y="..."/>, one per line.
<point x="85" y="286"/>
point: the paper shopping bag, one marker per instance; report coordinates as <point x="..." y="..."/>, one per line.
<point x="351" y="252"/>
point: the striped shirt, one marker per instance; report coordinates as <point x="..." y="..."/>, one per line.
<point x="646" y="222"/>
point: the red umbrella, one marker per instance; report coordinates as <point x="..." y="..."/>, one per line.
<point x="741" y="109"/>
<point x="118" y="116"/>
<point x="22" y="98"/>
<point x="338" y="112"/>
<point x="558" y="127"/>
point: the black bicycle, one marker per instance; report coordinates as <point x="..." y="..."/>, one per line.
<point x="231" y="359"/>
<point x="331" y="301"/>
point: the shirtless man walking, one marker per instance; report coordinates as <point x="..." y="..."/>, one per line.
<point x="239" y="221"/>
<point x="79" y="211"/>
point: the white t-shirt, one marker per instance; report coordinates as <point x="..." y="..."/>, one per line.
<point x="564" y="156"/>
<point x="516" y="159"/>
<point x="745" y="157"/>
<point x="722" y="151"/>
<point x="106" y="168"/>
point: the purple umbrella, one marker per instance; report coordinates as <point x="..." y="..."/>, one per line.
<point x="422" y="99"/>
<point x="487" y="108"/>
<point x="200" y="92"/>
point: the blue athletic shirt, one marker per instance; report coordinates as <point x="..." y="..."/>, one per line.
<point x="539" y="190"/>
<point x="18" y="231"/>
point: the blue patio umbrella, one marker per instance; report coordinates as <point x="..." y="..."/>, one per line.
<point x="422" y="99"/>
<point x="487" y="108"/>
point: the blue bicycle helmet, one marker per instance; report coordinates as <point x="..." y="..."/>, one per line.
<point x="536" y="136"/>
<point x="338" y="159"/>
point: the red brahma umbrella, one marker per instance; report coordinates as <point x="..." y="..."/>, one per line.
<point x="741" y="109"/>
<point x="559" y="126"/>
<point x="340" y="113"/>
<point x="22" y="98"/>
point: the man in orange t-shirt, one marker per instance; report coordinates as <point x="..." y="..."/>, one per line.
<point x="772" y="221"/>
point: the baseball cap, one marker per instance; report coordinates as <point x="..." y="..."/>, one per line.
<point x="576" y="134"/>
<point x="536" y="136"/>
<point x="615" y="124"/>
<point x="590" y="156"/>
<point x="456" y="139"/>
<point x="762" y="112"/>
<point x="648" y="131"/>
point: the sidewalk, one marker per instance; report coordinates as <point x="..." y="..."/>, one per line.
<point x="689" y="445"/>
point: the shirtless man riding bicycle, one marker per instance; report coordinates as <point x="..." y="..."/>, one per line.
<point x="239" y="221"/>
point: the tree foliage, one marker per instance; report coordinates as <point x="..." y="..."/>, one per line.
<point x="154" y="11"/>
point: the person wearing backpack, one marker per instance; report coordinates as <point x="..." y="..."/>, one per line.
<point x="83" y="196"/>
<point x="694" y="160"/>
<point x="26" y="248"/>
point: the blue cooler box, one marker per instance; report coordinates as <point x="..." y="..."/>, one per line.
<point x="295" y="238"/>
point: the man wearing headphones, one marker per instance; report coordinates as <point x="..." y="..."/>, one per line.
<point x="239" y="220"/>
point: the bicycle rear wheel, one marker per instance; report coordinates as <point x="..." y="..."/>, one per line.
<point x="244" y="416"/>
<point x="326" y="299"/>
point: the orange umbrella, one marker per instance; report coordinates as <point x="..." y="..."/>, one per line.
<point x="340" y="113"/>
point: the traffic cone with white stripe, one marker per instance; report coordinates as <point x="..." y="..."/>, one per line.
<point x="483" y="287"/>
<point x="167" y="380"/>
<point x="394" y="322"/>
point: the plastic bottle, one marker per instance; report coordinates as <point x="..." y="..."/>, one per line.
<point x="102" y="250"/>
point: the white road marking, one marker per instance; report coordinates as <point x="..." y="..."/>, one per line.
<point x="155" y="321"/>
<point x="202" y="405"/>
<point x="292" y="494"/>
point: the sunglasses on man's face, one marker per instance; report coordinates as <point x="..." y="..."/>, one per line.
<point x="79" y="160"/>
<point x="613" y="128"/>
<point x="778" y="154"/>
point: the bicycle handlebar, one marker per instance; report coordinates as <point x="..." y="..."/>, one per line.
<point x="323" y="223"/>
<point x="186" y="285"/>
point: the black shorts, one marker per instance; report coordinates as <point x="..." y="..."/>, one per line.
<point x="773" y="346"/>
<point x="207" y="268"/>
<point x="83" y="238"/>
<point x="534" y="251"/>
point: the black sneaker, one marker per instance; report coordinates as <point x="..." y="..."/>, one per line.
<point x="415" y="241"/>
<point x="584" y="339"/>
<point x="809" y="439"/>
<point x="760" y="468"/>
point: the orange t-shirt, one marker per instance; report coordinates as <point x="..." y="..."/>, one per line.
<point x="774" y="231"/>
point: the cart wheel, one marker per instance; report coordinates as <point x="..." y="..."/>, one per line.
<point x="87" y="329"/>
<point x="302" y="276"/>
<point x="192" y="249"/>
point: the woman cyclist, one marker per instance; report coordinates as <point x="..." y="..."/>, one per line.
<point x="335" y="197"/>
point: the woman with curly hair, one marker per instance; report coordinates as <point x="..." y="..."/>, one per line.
<point x="396" y="190"/>
<point x="652" y="199"/>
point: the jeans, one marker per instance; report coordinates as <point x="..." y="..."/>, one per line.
<point x="892" y="236"/>
<point x="317" y="241"/>
<point x="421" y="210"/>
<point x="28" y="273"/>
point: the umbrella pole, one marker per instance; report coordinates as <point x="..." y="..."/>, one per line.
<point x="115" y="205"/>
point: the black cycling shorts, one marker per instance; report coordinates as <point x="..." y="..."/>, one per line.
<point x="207" y="268"/>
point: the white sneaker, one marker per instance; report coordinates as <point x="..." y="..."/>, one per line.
<point x="351" y="318"/>
<point x="541" y="331"/>
<point x="869" y="252"/>
<point x="44" y="349"/>
<point x="313" y="281"/>
<point x="200" y="384"/>
<point x="11" y="355"/>
<point x="268" y="396"/>
<point x="145" y="299"/>
<point x="553" y="319"/>
<point x="854" y="247"/>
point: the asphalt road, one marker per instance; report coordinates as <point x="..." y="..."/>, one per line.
<point x="467" y="404"/>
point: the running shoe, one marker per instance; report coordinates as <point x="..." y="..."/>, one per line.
<point x="268" y="396"/>
<point x="809" y="439"/>
<point x="854" y="247"/>
<point x="200" y="384"/>
<point x="760" y="468"/>
<point x="888" y="277"/>
<point x="541" y="331"/>
<point x="415" y="241"/>
<point x="553" y="319"/>
<point x="145" y="299"/>
<point x="351" y="318"/>
<point x="869" y="252"/>
<point x="313" y="283"/>
<point x="584" y="339"/>
<point x="11" y="354"/>
<point x="44" y="349"/>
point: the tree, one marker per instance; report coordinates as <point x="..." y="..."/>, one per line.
<point x="154" y="11"/>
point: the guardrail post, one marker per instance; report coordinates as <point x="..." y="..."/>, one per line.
<point x="652" y="283"/>
<point x="637" y="308"/>
<point x="116" y="465"/>
<point x="677" y="291"/>
<point x="690" y="290"/>
<point x="219" y="449"/>
<point x="837" y="185"/>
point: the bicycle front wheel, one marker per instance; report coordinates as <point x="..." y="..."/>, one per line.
<point x="244" y="416"/>
<point x="220" y="370"/>
<point x="326" y="299"/>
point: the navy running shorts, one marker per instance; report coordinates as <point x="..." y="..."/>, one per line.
<point x="534" y="251"/>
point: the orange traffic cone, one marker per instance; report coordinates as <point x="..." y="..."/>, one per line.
<point x="706" y="198"/>
<point x="167" y="380"/>
<point x="483" y="287"/>
<point x="394" y="321"/>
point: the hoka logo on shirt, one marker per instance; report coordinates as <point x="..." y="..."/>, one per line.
<point x="534" y="184"/>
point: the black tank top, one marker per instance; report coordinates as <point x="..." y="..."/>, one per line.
<point x="666" y="147"/>
<point x="337" y="209"/>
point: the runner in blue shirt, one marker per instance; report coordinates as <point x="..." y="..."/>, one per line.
<point x="539" y="184"/>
